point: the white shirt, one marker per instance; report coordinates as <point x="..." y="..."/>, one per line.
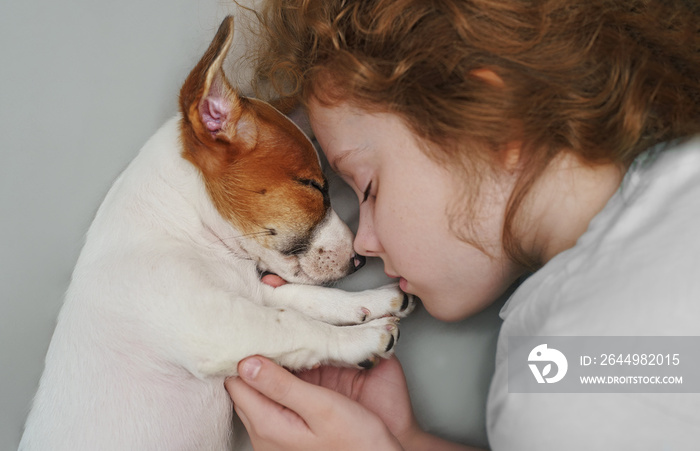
<point x="634" y="272"/>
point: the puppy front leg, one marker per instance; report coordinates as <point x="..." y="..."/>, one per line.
<point x="340" y="307"/>
<point x="213" y="341"/>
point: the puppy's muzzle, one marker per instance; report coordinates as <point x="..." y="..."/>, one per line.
<point x="356" y="263"/>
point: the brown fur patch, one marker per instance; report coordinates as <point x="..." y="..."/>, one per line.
<point x="260" y="170"/>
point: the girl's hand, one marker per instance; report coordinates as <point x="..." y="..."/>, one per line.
<point x="325" y="408"/>
<point x="382" y="390"/>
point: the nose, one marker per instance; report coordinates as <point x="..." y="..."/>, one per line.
<point x="366" y="241"/>
<point x="358" y="261"/>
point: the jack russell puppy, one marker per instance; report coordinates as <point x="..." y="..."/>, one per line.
<point x="166" y="297"/>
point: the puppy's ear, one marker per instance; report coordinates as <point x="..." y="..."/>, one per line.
<point x="211" y="108"/>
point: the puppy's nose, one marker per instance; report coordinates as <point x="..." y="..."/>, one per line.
<point x="358" y="261"/>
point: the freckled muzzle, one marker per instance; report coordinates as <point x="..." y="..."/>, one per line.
<point x="328" y="256"/>
<point x="331" y="254"/>
<point x="355" y="264"/>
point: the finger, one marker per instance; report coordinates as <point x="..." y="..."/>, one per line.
<point x="260" y="415"/>
<point x="281" y="386"/>
<point x="340" y="380"/>
<point x="239" y="411"/>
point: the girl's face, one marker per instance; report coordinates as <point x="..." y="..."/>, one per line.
<point x="405" y="199"/>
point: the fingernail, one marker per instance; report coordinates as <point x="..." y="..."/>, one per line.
<point x="250" y="368"/>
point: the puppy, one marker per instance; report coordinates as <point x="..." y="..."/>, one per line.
<point x="166" y="296"/>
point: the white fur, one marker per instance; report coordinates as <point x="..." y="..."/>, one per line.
<point x="164" y="302"/>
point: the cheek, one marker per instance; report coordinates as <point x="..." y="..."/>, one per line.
<point x="464" y="282"/>
<point x="411" y="229"/>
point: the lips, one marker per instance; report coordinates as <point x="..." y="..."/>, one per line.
<point x="403" y="284"/>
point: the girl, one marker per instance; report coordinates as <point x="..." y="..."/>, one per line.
<point x="488" y="139"/>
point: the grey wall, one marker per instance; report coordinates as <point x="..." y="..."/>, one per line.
<point x="83" y="84"/>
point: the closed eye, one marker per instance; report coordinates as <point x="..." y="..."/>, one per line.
<point x="365" y="196"/>
<point x="311" y="183"/>
<point x="323" y="189"/>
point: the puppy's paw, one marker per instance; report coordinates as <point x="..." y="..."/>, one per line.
<point x="383" y="301"/>
<point x="408" y="303"/>
<point x="355" y="346"/>
<point x="366" y="343"/>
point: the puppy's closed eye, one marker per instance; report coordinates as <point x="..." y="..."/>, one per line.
<point x="321" y="187"/>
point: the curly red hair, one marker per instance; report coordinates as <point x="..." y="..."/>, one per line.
<point x="603" y="79"/>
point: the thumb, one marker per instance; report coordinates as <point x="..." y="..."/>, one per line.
<point x="261" y="415"/>
<point x="277" y="384"/>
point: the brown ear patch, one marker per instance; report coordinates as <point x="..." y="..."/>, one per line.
<point x="211" y="108"/>
<point x="251" y="156"/>
<point x="198" y="83"/>
<point x="277" y="185"/>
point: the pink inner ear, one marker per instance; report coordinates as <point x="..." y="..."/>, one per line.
<point x="213" y="111"/>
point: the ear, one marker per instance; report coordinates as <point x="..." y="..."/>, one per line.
<point x="509" y="156"/>
<point x="488" y="76"/>
<point x="209" y="105"/>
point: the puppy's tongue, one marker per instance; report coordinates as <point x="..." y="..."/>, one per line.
<point x="273" y="280"/>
